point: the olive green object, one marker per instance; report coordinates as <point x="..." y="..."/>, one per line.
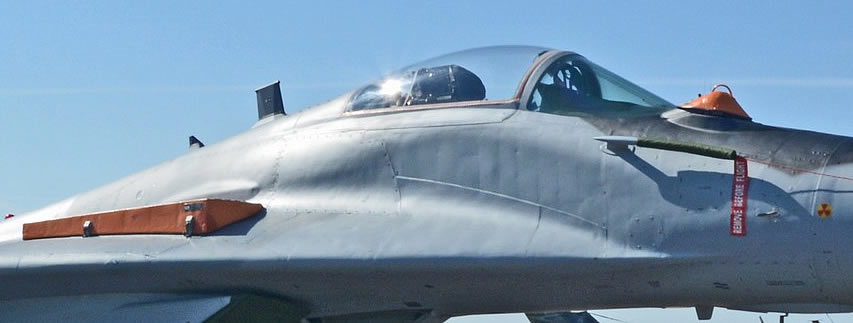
<point x="696" y="149"/>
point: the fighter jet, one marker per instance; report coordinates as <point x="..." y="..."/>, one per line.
<point x="493" y="180"/>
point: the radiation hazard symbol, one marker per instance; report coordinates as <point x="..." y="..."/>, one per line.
<point x="824" y="210"/>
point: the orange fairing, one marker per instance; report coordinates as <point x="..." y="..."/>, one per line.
<point x="717" y="102"/>
<point x="208" y="216"/>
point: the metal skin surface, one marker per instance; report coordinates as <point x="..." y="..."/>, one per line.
<point x="467" y="210"/>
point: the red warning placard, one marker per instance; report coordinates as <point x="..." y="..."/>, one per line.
<point x="740" y="187"/>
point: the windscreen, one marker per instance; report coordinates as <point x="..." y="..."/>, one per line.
<point x="572" y="85"/>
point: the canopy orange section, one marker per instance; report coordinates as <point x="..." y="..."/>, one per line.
<point x="718" y="102"/>
<point x="188" y="218"/>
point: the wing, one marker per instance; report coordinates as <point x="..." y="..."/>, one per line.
<point x="561" y="317"/>
<point x="114" y="308"/>
<point x="184" y="308"/>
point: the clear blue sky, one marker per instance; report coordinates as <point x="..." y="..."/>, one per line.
<point x="91" y="91"/>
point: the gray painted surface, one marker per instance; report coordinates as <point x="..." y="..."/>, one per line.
<point x="456" y="209"/>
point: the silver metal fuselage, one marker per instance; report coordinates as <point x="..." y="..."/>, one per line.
<point x="474" y="210"/>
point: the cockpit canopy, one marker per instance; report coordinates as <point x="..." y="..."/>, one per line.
<point x="532" y="78"/>
<point x="440" y="84"/>
<point x="492" y="74"/>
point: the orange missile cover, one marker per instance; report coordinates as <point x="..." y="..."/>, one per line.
<point x="717" y="102"/>
<point x="208" y="215"/>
